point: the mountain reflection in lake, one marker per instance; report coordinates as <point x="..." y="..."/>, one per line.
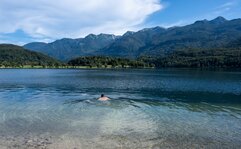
<point x="170" y="108"/>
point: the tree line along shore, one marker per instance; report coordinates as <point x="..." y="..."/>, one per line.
<point x="12" y="56"/>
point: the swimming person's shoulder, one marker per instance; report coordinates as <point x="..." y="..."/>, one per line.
<point x="103" y="98"/>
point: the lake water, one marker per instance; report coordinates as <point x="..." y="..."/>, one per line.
<point x="169" y="108"/>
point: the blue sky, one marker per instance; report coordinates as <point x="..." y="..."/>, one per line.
<point x="46" y="21"/>
<point x="181" y="12"/>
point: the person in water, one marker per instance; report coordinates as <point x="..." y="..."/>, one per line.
<point x="103" y="98"/>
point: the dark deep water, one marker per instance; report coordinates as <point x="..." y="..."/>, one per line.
<point x="170" y="108"/>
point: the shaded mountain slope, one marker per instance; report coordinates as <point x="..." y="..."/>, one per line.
<point x="12" y="55"/>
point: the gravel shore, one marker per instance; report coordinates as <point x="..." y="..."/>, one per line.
<point x="109" y="142"/>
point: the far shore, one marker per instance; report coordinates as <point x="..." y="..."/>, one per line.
<point x="74" y="67"/>
<point x="120" y="67"/>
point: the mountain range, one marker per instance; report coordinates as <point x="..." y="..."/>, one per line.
<point x="66" y="48"/>
<point x="16" y="56"/>
<point x="157" y="41"/>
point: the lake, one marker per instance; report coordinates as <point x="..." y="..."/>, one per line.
<point x="167" y="108"/>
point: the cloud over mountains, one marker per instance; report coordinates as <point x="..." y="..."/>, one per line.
<point x="42" y="19"/>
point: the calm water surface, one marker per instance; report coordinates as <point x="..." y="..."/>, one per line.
<point x="170" y="108"/>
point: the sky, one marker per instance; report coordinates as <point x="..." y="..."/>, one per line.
<point x="24" y="21"/>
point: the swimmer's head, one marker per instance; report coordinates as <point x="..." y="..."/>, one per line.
<point x="102" y="95"/>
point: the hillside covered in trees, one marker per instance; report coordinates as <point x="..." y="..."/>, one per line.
<point x="16" y="56"/>
<point x="223" y="58"/>
<point x="205" y="43"/>
<point x="66" y="49"/>
<point x="109" y="62"/>
<point x="204" y="34"/>
<point x="194" y="58"/>
<point x="12" y="56"/>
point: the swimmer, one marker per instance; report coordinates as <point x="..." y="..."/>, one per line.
<point x="103" y="98"/>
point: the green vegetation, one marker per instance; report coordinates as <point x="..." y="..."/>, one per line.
<point x="12" y="56"/>
<point x="195" y="58"/>
<point x="157" y="41"/>
<point x="229" y="57"/>
<point x="215" y="43"/>
<point x="108" y="62"/>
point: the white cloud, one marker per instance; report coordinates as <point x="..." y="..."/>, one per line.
<point x="175" y="24"/>
<point x="224" y="8"/>
<point x="74" y="18"/>
<point x="225" y="5"/>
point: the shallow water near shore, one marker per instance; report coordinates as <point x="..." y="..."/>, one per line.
<point x="169" y="108"/>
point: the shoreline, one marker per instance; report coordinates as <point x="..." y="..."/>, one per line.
<point x="48" y="141"/>
<point x="121" y="68"/>
<point x="76" y="67"/>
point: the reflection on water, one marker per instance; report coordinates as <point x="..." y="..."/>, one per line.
<point x="149" y="109"/>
